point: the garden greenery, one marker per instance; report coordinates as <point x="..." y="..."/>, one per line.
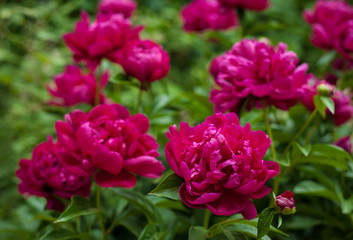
<point x="200" y="119"/>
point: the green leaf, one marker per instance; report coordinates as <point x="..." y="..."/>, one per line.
<point x="140" y="201"/>
<point x="321" y="107"/>
<point x="79" y="206"/>
<point x="169" y="187"/>
<point x="227" y="233"/>
<point x="63" y="234"/>
<point x="328" y="102"/>
<point x="197" y="233"/>
<point x="264" y="222"/>
<point x="311" y="188"/>
<point x="150" y="232"/>
<point x="326" y="154"/>
<point x="304" y="149"/>
<point x="279" y="221"/>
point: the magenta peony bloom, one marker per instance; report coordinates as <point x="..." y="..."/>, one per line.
<point x="45" y="176"/>
<point x="104" y="38"/>
<point x="145" y="60"/>
<point x="124" y="7"/>
<point x="332" y="26"/>
<point x="111" y="141"/>
<point x="345" y="143"/>
<point x="285" y="203"/>
<point x="258" y="72"/>
<point x="207" y="14"/>
<point x="73" y="87"/>
<point x="221" y="163"/>
<point x="256" y="5"/>
<point x="343" y="107"/>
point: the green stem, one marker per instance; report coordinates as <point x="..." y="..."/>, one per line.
<point x="97" y="96"/>
<point x="206" y="218"/>
<point x="99" y="213"/>
<point x="275" y="186"/>
<point x="269" y="131"/>
<point x="301" y="130"/>
<point x="139" y="100"/>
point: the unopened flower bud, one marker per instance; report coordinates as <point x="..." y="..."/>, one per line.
<point x="325" y="90"/>
<point x="285" y="203"/>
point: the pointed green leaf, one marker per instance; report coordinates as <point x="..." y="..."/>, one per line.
<point x="197" y="233"/>
<point x="140" y="201"/>
<point x="169" y="187"/>
<point x="308" y="187"/>
<point x="327" y="101"/>
<point x="264" y="222"/>
<point x="321" y="107"/>
<point x="79" y="206"/>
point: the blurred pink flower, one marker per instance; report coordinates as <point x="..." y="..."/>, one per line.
<point x="345" y="143"/>
<point x="261" y="73"/>
<point x="124" y="7"/>
<point x="221" y="163"/>
<point x="45" y="176"/>
<point x="73" y="87"/>
<point x="256" y="5"/>
<point x="145" y="60"/>
<point x="207" y="14"/>
<point x="332" y="26"/>
<point x="285" y="203"/>
<point x="343" y="107"/>
<point x="104" y="38"/>
<point x="111" y="141"/>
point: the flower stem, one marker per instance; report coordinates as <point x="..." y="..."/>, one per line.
<point x="99" y="213"/>
<point x="139" y="100"/>
<point x="206" y="218"/>
<point x="269" y="131"/>
<point x="301" y="130"/>
<point x="284" y="171"/>
<point x="97" y="95"/>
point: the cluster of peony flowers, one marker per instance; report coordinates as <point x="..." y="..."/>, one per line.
<point x="45" y="176"/>
<point x="255" y="73"/>
<point x="221" y="163"/>
<point x="332" y="24"/>
<point x="343" y="108"/>
<point x="110" y="144"/>
<point x="202" y="15"/>
<point x="107" y="143"/>
<point x="111" y="36"/>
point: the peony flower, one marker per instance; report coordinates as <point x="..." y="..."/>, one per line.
<point x="73" y="87"/>
<point x="145" y="60"/>
<point x="109" y="143"/>
<point x="345" y="143"/>
<point x="124" y="7"/>
<point x="104" y="38"/>
<point x="221" y="163"/>
<point x="332" y="26"/>
<point x="207" y="14"/>
<point x="45" y="176"/>
<point x="260" y="73"/>
<point x="256" y="5"/>
<point x="285" y="203"/>
<point x="343" y="107"/>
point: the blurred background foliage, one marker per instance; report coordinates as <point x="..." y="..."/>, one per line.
<point x="32" y="52"/>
